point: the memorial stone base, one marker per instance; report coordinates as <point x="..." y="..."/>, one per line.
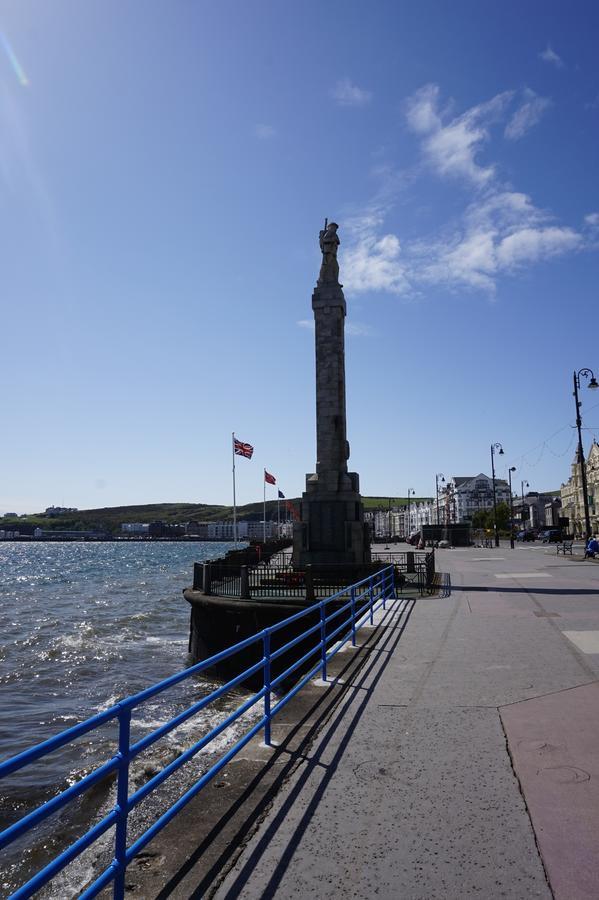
<point x="332" y="529"/>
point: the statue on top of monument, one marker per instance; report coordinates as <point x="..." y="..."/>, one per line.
<point x="329" y="241"/>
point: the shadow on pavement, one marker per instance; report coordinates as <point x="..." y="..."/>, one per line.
<point x="377" y="650"/>
<point x="379" y="663"/>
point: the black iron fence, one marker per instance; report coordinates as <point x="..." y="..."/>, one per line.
<point x="279" y="580"/>
<point x="412" y="567"/>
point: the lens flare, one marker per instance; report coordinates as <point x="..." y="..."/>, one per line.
<point x="16" y="65"/>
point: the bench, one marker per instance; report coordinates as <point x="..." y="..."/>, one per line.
<point x="564" y="547"/>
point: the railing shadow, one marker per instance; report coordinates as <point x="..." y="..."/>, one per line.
<point x="332" y="709"/>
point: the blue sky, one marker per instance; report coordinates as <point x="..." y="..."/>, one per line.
<point x="164" y="170"/>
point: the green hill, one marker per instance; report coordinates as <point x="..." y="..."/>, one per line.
<point x="110" y="518"/>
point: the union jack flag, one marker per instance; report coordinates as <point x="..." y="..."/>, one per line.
<point x="242" y="449"/>
<point x="269" y="479"/>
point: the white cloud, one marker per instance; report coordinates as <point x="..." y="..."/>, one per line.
<point x="345" y="93"/>
<point x="495" y="235"/>
<point x="550" y="56"/>
<point x="504" y="211"/>
<point x="306" y="323"/>
<point x="499" y="232"/>
<point x="372" y="263"/>
<point x="467" y="259"/>
<point x="527" y="116"/>
<point x="421" y="109"/>
<point x="264" y="132"/>
<point x="533" y="244"/>
<point x="452" y="149"/>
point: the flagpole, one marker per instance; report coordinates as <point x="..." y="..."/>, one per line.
<point x="234" y="500"/>
<point x="264" y="511"/>
<point x="278" y="516"/>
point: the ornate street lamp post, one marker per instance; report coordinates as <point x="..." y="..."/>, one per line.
<point x="585" y="496"/>
<point x="495" y="447"/>
<point x="389" y="532"/>
<point x="509" y="475"/>
<point x="522" y="485"/>
<point x="442" y="477"/>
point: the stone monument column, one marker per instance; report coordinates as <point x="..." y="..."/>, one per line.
<point x="332" y="527"/>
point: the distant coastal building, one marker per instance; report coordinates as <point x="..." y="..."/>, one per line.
<point x="71" y="535"/>
<point x="223" y="531"/>
<point x="52" y="511"/>
<point x="135" y="528"/>
<point x="286" y="530"/>
<point x="536" y="510"/>
<point x="464" y="495"/>
<point x="164" y="529"/>
<point x="12" y="532"/>
<point x="206" y="531"/>
<point x="553" y="511"/>
<point x="571" y="493"/>
<point x="399" y="519"/>
<point x="458" y="501"/>
<point x="31" y="532"/>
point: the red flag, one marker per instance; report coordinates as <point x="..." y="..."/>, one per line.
<point x="289" y="505"/>
<point x="269" y="479"/>
<point x="242" y="449"/>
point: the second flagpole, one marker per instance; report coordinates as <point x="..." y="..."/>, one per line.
<point x="264" y="508"/>
<point x="234" y="500"/>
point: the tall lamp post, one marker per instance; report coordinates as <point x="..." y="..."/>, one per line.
<point x="522" y="484"/>
<point x="410" y="491"/>
<point x="509" y="475"/>
<point x="583" y="474"/>
<point x="389" y="523"/>
<point x="499" y="448"/>
<point x="442" y="477"/>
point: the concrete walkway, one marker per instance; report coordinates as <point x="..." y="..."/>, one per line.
<point x="462" y="761"/>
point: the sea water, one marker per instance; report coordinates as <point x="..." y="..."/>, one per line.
<point x="84" y="625"/>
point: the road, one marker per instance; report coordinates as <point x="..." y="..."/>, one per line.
<point x="463" y="761"/>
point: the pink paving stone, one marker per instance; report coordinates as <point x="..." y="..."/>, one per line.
<point x="554" y="744"/>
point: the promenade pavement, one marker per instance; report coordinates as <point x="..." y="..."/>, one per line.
<point x="462" y="761"/>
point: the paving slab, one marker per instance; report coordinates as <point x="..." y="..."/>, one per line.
<point x="554" y="744"/>
<point x="430" y="810"/>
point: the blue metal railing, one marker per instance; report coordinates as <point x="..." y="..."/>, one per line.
<point x="360" y="601"/>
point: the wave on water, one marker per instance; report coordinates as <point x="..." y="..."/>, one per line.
<point x="84" y="626"/>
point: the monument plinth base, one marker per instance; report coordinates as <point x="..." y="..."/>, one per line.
<point x="332" y="529"/>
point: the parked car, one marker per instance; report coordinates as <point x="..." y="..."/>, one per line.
<point x="527" y="535"/>
<point x="551" y="536"/>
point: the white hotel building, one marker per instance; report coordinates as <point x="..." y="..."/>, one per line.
<point x="465" y="495"/>
<point x="461" y="497"/>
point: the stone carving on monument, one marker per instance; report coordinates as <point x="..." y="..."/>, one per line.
<point x="332" y="528"/>
<point x="329" y="241"/>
